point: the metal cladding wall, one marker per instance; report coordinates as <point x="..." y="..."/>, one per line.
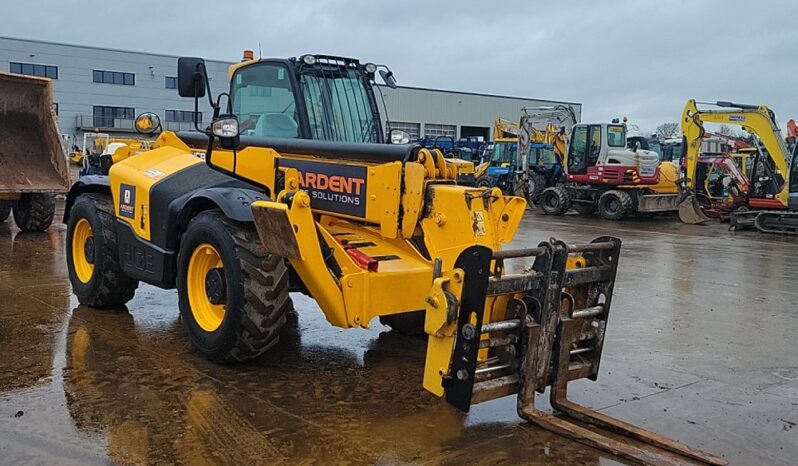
<point x="76" y="94"/>
<point x="420" y="105"/>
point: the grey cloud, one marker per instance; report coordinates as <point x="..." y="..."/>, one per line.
<point x="633" y="58"/>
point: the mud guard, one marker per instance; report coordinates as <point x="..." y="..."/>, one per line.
<point x="86" y="184"/>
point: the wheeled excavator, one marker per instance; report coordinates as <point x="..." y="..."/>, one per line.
<point x="235" y="222"/>
<point x="772" y="203"/>
<point x="595" y="170"/>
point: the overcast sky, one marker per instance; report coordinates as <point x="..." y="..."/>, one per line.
<point x="633" y="58"/>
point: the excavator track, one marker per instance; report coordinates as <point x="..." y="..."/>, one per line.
<point x="554" y="334"/>
<point x="766" y="221"/>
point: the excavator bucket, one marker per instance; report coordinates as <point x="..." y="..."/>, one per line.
<point x="551" y="332"/>
<point x="32" y="159"/>
<point x="690" y="211"/>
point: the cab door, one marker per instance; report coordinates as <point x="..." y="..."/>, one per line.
<point x="578" y="151"/>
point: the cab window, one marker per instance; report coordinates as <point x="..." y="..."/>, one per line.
<point x="263" y="101"/>
<point x="616" y="136"/>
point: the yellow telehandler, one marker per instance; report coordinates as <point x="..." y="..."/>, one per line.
<point x="369" y="230"/>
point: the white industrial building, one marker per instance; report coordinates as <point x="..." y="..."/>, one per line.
<point x="104" y="89"/>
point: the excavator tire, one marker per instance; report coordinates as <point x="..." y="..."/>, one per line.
<point x="555" y="200"/>
<point x="408" y="323"/>
<point x="93" y="254"/>
<point x="233" y="295"/>
<point x="615" y="205"/>
<point x="5" y="210"/>
<point x="34" y="212"/>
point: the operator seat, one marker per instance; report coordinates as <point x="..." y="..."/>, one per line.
<point x="276" y="125"/>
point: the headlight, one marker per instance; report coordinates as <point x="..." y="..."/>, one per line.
<point x="399" y="137"/>
<point x="309" y="60"/>
<point x="225" y="127"/>
<point x="371" y="68"/>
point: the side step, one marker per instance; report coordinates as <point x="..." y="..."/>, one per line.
<point x="555" y="334"/>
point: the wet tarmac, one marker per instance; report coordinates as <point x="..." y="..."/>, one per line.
<point x="700" y="347"/>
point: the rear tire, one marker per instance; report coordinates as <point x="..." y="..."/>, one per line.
<point x="5" y="210"/>
<point x="250" y="297"/>
<point x="103" y="283"/>
<point x="407" y="323"/>
<point x="614" y="205"/>
<point x="34" y="212"/>
<point x="555" y="200"/>
<point x="485" y="182"/>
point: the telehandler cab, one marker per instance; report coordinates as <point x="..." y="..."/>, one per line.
<point x="367" y="230"/>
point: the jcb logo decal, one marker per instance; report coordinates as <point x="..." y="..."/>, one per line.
<point x="332" y="187"/>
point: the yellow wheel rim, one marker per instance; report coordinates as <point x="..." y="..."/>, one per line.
<point x="83" y="240"/>
<point x="204" y="260"/>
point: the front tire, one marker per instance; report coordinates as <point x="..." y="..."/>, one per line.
<point x="555" y="200"/>
<point x="93" y="254"/>
<point x="614" y="205"/>
<point x="34" y="211"/>
<point x="233" y="295"/>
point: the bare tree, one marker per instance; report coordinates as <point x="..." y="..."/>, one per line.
<point x="667" y="130"/>
<point x="726" y="130"/>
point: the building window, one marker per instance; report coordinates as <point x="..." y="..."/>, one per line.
<point x="182" y="116"/>
<point x="413" y="129"/>
<point x="432" y="130"/>
<point x="104" y="116"/>
<point x="45" y="71"/>
<point x="114" y="77"/>
<point x="171" y="82"/>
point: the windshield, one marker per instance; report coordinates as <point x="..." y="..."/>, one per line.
<point x="543" y="157"/>
<point x="504" y="152"/>
<point x="263" y="101"/>
<point x="339" y="105"/>
<point x="616" y="135"/>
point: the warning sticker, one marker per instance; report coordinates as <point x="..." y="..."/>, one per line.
<point x="332" y="187"/>
<point x="127" y="201"/>
<point x="479" y="224"/>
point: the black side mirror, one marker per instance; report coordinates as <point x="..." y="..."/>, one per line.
<point x="387" y="77"/>
<point x="190" y="82"/>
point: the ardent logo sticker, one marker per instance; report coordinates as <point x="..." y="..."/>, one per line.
<point x="127" y="201"/>
<point x="332" y="187"/>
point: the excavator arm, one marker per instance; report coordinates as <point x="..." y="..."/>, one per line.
<point x="757" y="120"/>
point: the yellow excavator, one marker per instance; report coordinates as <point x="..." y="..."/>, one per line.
<point x="772" y="204"/>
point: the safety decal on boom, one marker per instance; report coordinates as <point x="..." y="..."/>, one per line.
<point x="332" y="187"/>
<point x="127" y="201"/>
